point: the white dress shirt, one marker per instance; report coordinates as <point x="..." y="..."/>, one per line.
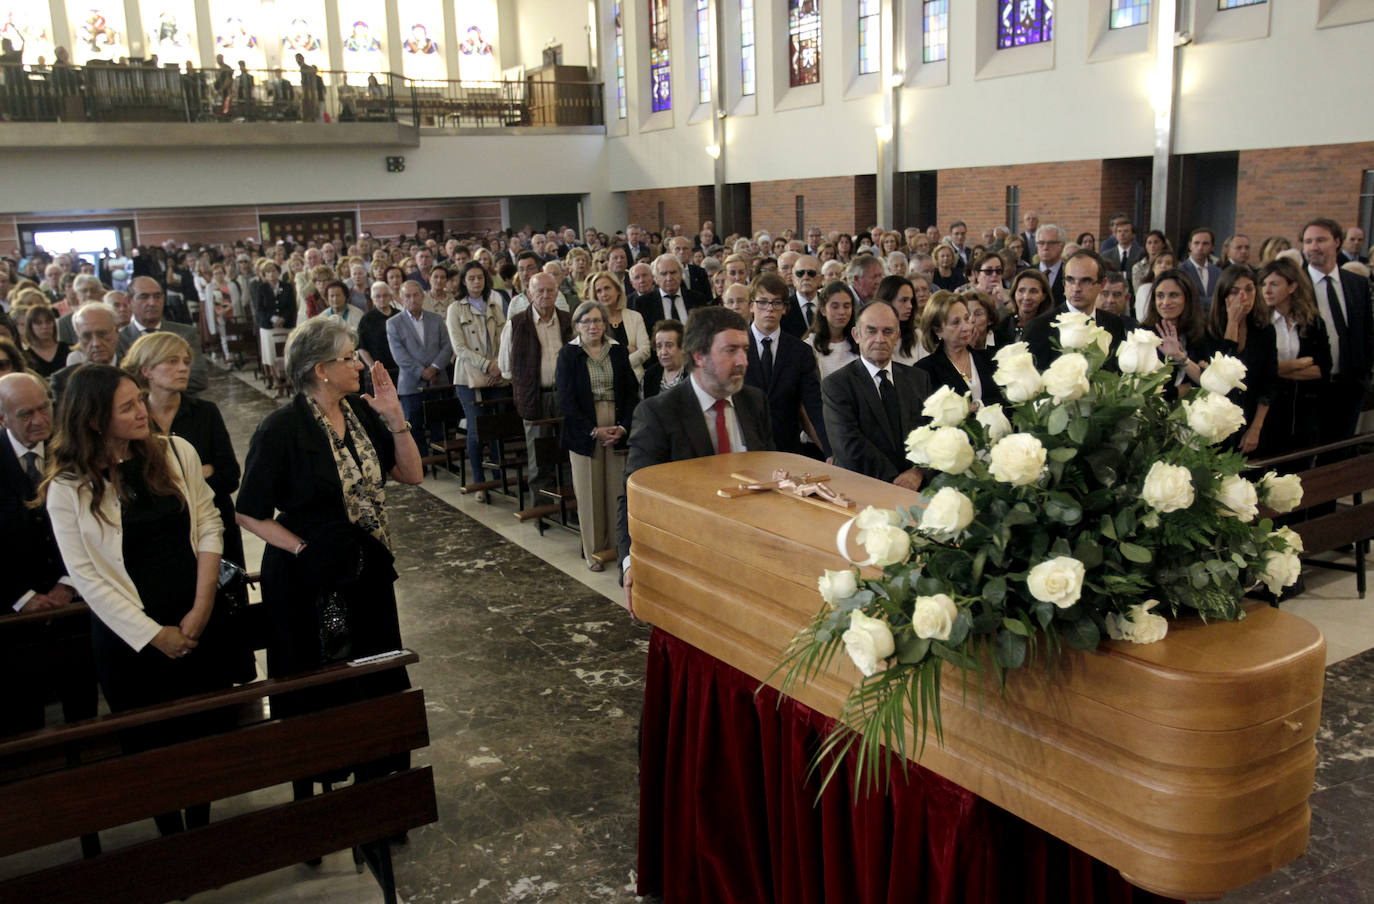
<point x="732" y="428"/>
<point x="1324" y="307"/>
<point x="1286" y="338"/>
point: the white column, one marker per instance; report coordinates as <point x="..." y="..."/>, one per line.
<point x="133" y="21"/>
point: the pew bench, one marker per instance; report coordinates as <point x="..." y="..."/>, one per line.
<point x="50" y="794"/>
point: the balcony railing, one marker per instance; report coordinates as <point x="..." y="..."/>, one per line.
<point x="113" y="93"/>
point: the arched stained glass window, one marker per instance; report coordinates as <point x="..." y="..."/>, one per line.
<point x="660" y="67"/>
<point x="1021" y="22"/>
<point x="1129" y="13"/>
<point x="870" y="35"/>
<point x="804" y="42"/>
<point x="703" y="51"/>
<point x="746" y="48"/>
<point x="619" y="61"/>
<point x="935" y="35"/>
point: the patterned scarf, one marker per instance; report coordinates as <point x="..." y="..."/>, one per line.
<point x="361" y="478"/>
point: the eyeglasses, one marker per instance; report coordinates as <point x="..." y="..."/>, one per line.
<point x="349" y="359"/>
<point x="805" y="274"/>
<point x="1038" y="242"/>
<point x="592" y="321"/>
<point x="770" y="303"/>
<point x="991" y="272"/>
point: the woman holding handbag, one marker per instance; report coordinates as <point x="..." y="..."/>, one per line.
<point x="474" y="329"/>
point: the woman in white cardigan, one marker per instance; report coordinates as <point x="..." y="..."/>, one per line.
<point x="474" y="329"/>
<point x="140" y="535"/>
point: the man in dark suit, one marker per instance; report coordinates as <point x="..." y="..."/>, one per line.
<point x="1343" y="300"/>
<point x="39" y="655"/>
<point x="694" y="277"/>
<point x="670" y="301"/>
<point x="1198" y="264"/>
<point x="1353" y="248"/>
<point x="1030" y="223"/>
<point x="636" y="242"/>
<point x="687" y="420"/>
<point x="784" y="368"/>
<point x="148" y="300"/>
<point x="871" y="404"/>
<point x="805" y="301"/>
<point x="1127" y="251"/>
<point x="1083" y="275"/>
<point x="1049" y="245"/>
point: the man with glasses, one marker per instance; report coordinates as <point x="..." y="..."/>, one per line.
<point x="1049" y="244"/>
<point x="987" y="275"/>
<point x="805" y="298"/>
<point x="784" y="368"/>
<point x="1084" y="274"/>
<point x="670" y="301"/>
<point x="97" y="338"/>
<point x="693" y="275"/>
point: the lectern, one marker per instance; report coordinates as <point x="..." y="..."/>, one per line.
<point x="1185" y="766"/>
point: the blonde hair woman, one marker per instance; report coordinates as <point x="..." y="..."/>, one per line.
<point x="624" y="324"/>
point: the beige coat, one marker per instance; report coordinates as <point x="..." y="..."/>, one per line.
<point x="476" y="338"/>
<point x="93" y="550"/>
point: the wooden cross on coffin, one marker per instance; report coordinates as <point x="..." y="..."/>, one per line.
<point x="810" y="488"/>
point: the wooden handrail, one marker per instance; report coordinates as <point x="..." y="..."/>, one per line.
<point x="42" y="615"/>
<point x="1309" y="452"/>
<point x="104" y="725"/>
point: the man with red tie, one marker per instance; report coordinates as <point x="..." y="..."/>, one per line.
<point x="711" y="412"/>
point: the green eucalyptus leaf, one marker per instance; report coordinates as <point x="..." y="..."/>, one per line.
<point x="995" y="590"/>
<point x="1138" y="554"/>
<point x="1044" y="613"/>
<point x="1010" y="649"/>
<point x="1063" y="453"/>
<point x="1015" y="626"/>
<point x="912" y="649"/>
<point x="963" y="623"/>
<point x="1088" y="552"/>
<point x="955" y="657"/>
<point x="1078" y="429"/>
<point x="1082" y="634"/>
<point x="1058" y="420"/>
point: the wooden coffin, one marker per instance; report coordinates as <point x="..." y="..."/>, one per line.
<point x="1185" y="764"/>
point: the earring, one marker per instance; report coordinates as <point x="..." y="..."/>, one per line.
<point x="326" y="379"/>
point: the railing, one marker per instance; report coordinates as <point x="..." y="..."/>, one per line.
<point x="113" y="93"/>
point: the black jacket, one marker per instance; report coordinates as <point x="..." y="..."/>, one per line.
<point x="575" y="401"/>
<point x="859" y="430"/>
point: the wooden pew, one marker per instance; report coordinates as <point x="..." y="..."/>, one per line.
<point x="48" y="796"/>
<point x="1322" y="522"/>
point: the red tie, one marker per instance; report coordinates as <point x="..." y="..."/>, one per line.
<point x="722" y="434"/>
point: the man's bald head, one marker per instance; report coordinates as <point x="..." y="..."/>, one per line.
<point x="25" y="410"/>
<point x="736" y="298"/>
<point x="97" y="332"/>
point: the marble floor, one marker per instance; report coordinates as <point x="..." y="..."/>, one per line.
<point x="533" y="675"/>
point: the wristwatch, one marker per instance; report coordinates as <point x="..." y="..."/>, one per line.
<point x="404" y="428"/>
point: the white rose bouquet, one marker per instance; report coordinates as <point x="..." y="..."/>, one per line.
<point x="1086" y="507"/>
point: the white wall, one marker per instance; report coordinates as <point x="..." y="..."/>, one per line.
<point x="441" y="167"/>
<point x="1295" y="86"/>
<point x="537" y="22"/>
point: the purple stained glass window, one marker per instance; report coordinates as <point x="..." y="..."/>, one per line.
<point x="660" y="69"/>
<point x="804" y="42"/>
<point x="1021" y="22"/>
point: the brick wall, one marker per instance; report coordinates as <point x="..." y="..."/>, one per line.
<point x="686" y="205"/>
<point x="1119" y="178"/>
<point x="1280" y="188"/>
<point x="1068" y="194"/>
<point x="833" y="203"/>
<point x="391" y="218"/>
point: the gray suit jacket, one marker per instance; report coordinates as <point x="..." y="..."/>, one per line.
<point x="1213" y="274"/>
<point x="200" y="369"/>
<point x="860" y="435"/>
<point x="670" y="427"/>
<point x="412" y="356"/>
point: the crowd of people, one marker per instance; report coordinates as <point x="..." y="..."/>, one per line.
<point x="631" y="348"/>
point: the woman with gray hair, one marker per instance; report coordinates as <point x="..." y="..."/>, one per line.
<point x="313" y="491"/>
<point x="597" y="394"/>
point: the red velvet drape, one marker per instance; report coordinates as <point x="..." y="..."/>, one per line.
<point x="727" y="814"/>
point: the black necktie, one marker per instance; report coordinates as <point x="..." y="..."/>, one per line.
<point x="669" y="307"/>
<point x="806" y="314"/>
<point x="888" y="393"/>
<point x="31" y="468"/>
<point x="766" y="359"/>
<point x="1338" y="318"/>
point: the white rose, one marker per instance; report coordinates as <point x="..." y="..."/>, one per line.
<point x="837" y="585"/>
<point x="916" y="445"/>
<point x="1214" y="417"/>
<point x="933" y="616"/>
<point x="1138" y="624"/>
<point x="1223" y="374"/>
<point x="1168" y="488"/>
<point x="945" y="407"/>
<point x="1073" y="329"/>
<point x="1238" y="498"/>
<point x="1137" y="355"/>
<point x="1016" y="373"/>
<point x="1067" y="377"/>
<point x="872" y="517"/>
<point x="1282" y="494"/>
<point x="1058" y="581"/>
<point x="1281" y="569"/>
<point x="1101" y="337"/>
<point x="868" y="641"/>
<point x="994" y="420"/>
<point x="886" y="545"/>
<point x="949" y="450"/>
<point x="1017" y="459"/>
<point x="948" y="512"/>
<point x="1291" y="538"/>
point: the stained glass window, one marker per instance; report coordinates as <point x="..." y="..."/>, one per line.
<point x="1021" y="22"/>
<point x="28" y="26"/>
<point x="98" y="31"/>
<point x="170" y="29"/>
<point x="239" y="30"/>
<point x="1127" y="13"/>
<point x="660" y="69"/>
<point x="704" y="51"/>
<point x="619" y="62"/>
<point x="1237" y="4"/>
<point x="804" y="42"/>
<point x="870" y="28"/>
<point x="363" y="36"/>
<point x="935" y="36"/>
<point x="746" y="47"/>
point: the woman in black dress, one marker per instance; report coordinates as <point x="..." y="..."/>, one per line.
<point x="43" y="351"/>
<point x="1239" y="325"/>
<point x="1304" y="359"/>
<point x="947" y="331"/>
<point x="1176" y="316"/>
<point x="139" y="533"/>
<point x="313" y="491"/>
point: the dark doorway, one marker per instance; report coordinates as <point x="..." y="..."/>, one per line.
<point x="735" y="211"/>
<point x="914" y="199"/>
<point x="435" y="228"/>
<point x="1206" y="196"/>
<point x="544" y="212"/>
